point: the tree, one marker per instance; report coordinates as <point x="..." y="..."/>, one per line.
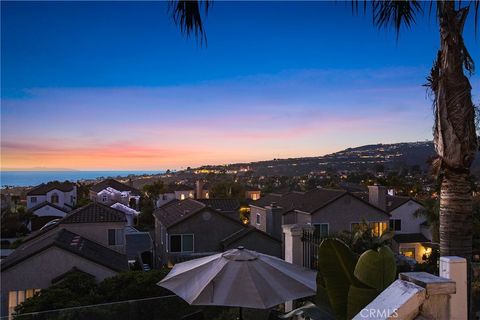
<point x="154" y="190"/>
<point x="455" y="136"/>
<point x="430" y="211"/>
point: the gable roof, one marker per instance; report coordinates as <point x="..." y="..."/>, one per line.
<point x="114" y="184"/>
<point x="242" y="233"/>
<point x="222" y="205"/>
<point x="393" y="202"/>
<point x="46" y="203"/>
<point x="46" y="187"/>
<point x="94" y="213"/>
<point x="176" y="210"/>
<point x="72" y="243"/>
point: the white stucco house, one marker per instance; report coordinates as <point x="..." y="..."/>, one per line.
<point x="130" y="213"/>
<point x="50" y="201"/>
<point x="111" y="191"/>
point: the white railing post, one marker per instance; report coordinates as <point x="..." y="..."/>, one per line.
<point x="455" y="268"/>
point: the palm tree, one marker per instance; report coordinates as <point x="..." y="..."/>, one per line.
<point x="430" y="211"/>
<point x="455" y="136"/>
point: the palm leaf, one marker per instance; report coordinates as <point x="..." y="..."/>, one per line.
<point x="187" y="14"/>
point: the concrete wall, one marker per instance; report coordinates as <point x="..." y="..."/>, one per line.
<point x="263" y="218"/>
<point x="341" y="213"/>
<point x="97" y="232"/>
<point x="410" y="223"/>
<point x="38" y="271"/>
<point x="295" y="217"/>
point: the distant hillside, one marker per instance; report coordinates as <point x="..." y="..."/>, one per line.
<point x="391" y="156"/>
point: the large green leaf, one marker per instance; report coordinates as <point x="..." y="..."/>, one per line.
<point x="337" y="264"/>
<point x="359" y="298"/>
<point x="376" y="268"/>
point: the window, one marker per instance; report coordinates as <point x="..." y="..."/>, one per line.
<point x="33" y="199"/>
<point x="182" y="197"/>
<point x="115" y="237"/>
<point x="378" y="228"/>
<point x="408" y="252"/>
<point x="321" y="229"/>
<point x="72" y="199"/>
<point x="104" y="198"/>
<point x="181" y="243"/>
<point x="17" y="297"/>
<point x="258" y="218"/>
<point x="54" y="198"/>
<point x="395" y="224"/>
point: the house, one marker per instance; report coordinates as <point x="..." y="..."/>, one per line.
<point x="90" y="239"/>
<point x="252" y="194"/>
<point x="130" y="213"/>
<point x="50" y="201"/>
<point x="188" y="228"/>
<point x="327" y="209"/>
<point x="111" y="191"/>
<point x="201" y="190"/>
<point x="230" y="207"/>
<point x="175" y="191"/>
<point x="412" y="236"/>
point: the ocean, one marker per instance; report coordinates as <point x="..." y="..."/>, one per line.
<point x="33" y="178"/>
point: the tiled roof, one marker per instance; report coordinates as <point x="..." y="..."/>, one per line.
<point x="410" y="238"/>
<point x="46" y="187"/>
<point x="393" y="202"/>
<point x="176" y="210"/>
<point x="303" y="201"/>
<point x="114" y="184"/>
<point x="46" y="203"/>
<point x="72" y="243"/>
<point x="222" y="205"/>
<point x="93" y="213"/>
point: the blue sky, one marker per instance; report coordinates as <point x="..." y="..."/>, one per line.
<point x="277" y="79"/>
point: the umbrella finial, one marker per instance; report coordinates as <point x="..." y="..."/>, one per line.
<point x="240" y="247"/>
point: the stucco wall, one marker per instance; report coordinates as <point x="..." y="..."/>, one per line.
<point x="49" y="211"/>
<point x="341" y="213"/>
<point x="38" y="271"/>
<point x="208" y="228"/>
<point x="263" y="218"/>
<point x="97" y="232"/>
<point x="410" y="223"/>
<point x="31" y="204"/>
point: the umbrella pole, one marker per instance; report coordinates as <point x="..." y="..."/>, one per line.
<point x="240" y="313"/>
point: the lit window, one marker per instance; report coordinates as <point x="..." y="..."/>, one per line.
<point x="182" y="197"/>
<point x="33" y="199"/>
<point x="181" y="243"/>
<point x="395" y="224"/>
<point x="17" y="297"/>
<point x="54" y="198"/>
<point x="377" y="228"/>
<point x="115" y="237"/>
<point x="207" y="195"/>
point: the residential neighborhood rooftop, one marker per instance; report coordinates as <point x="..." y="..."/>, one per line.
<point x="114" y="184"/>
<point x="94" y="212"/>
<point x="54" y="185"/>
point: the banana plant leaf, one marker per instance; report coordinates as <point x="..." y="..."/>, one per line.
<point x="376" y="268"/>
<point x="359" y="298"/>
<point x="337" y="265"/>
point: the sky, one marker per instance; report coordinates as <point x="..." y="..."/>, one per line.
<point x="116" y="86"/>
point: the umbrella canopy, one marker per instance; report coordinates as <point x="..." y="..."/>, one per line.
<point x="240" y="278"/>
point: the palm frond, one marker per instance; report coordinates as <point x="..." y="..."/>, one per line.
<point x="395" y="13"/>
<point x="187" y="14"/>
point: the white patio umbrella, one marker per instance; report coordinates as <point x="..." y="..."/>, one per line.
<point x="240" y="278"/>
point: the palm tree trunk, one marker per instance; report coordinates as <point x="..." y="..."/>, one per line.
<point x="454" y="136"/>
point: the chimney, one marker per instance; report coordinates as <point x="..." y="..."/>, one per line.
<point x="274" y="220"/>
<point x="199" y="189"/>
<point x="377" y="195"/>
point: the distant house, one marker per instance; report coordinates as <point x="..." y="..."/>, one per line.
<point x="111" y="191"/>
<point x="202" y="190"/>
<point x="252" y="194"/>
<point x="412" y="236"/>
<point x="130" y="213"/>
<point x="175" y="191"/>
<point x="230" y="207"/>
<point x="50" y="201"/>
<point x="189" y="228"/>
<point x="326" y="209"/>
<point x="90" y="239"/>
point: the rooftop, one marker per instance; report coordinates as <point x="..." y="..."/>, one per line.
<point x="114" y="184"/>
<point x="93" y="213"/>
<point x="54" y="185"/>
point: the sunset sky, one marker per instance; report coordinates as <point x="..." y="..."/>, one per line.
<point x="115" y="86"/>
